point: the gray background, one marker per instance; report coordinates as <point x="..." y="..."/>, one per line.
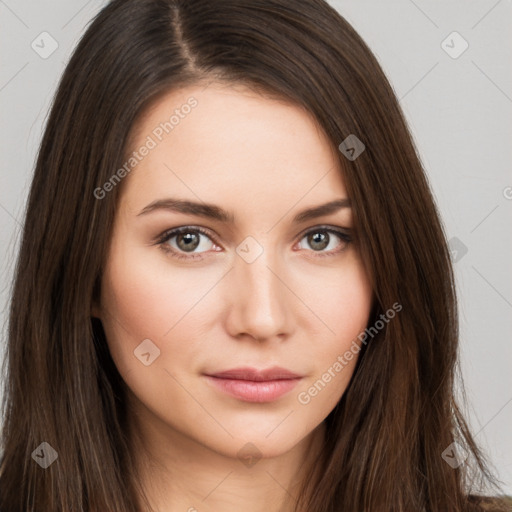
<point x="459" y="111"/>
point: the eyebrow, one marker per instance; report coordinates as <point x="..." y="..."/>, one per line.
<point x="217" y="213"/>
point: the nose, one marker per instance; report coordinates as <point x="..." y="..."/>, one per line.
<point x="259" y="300"/>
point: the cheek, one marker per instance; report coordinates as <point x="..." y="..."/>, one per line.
<point x="344" y="306"/>
<point x="146" y="299"/>
<point x="342" y="299"/>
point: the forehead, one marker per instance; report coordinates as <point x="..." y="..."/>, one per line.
<point x="228" y="142"/>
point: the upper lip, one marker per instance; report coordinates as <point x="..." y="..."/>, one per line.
<point x="247" y="373"/>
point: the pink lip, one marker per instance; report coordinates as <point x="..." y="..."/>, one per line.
<point x="253" y="385"/>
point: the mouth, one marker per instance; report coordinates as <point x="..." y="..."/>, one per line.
<point x="253" y="385"/>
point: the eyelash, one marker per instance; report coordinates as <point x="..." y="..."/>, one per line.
<point x="168" y="235"/>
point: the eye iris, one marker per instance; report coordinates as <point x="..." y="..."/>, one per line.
<point x="318" y="240"/>
<point x="191" y="241"/>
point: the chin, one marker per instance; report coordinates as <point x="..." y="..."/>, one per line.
<point x="262" y="443"/>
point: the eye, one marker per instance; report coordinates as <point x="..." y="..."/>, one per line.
<point x="321" y="238"/>
<point x="182" y="242"/>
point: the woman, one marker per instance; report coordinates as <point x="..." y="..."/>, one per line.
<point x="303" y="358"/>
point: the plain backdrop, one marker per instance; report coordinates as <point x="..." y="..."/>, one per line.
<point x="449" y="64"/>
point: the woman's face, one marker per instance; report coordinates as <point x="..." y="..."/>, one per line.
<point x="263" y="285"/>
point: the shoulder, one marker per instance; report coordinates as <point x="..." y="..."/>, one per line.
<point x="492" y="503"/>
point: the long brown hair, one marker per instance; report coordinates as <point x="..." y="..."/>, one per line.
<point x="386" y="436"/>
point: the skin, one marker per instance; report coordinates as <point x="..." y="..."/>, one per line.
<point x="263" y="160"/>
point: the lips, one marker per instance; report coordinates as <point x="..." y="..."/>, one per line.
<point x="274" y="373"/>
<point x="253" y="385"/>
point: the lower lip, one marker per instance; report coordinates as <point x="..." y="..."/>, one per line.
<point x="254" y="391"/>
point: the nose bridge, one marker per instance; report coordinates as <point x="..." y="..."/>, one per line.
<point x="258" y="278"/>
<point x="259" y="305"/>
